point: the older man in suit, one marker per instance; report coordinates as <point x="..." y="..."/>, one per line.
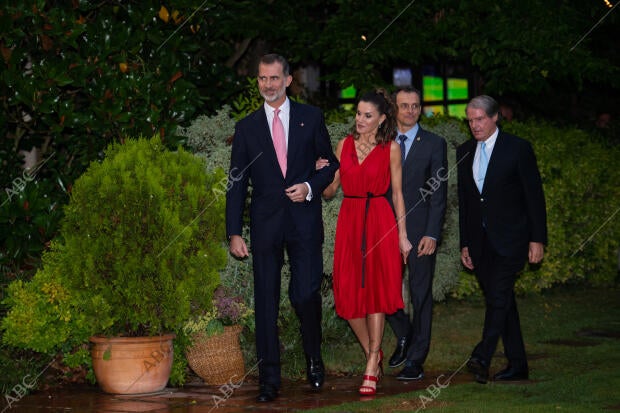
<point x="425" y="173"/>
<point x="275" y="149"/>
<point x="502" y="220"/>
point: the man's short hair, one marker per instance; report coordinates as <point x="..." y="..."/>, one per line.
<point x="486" y="103"/>
<point x="272" y="58"/>
<point x="406" y="89"/>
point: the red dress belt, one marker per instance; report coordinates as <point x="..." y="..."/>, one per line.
<point x="368" y="196"/>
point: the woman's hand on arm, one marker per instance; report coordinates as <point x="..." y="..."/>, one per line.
<point x="331" y="189"/>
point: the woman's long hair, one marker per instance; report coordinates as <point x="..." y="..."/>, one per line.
<point x="381" y="100"/>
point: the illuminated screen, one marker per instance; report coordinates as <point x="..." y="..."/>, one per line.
<point x="348" y="93"/>
<point x="457" y="88"/>
<point x="432" y="87"/>
<point x="458" y="111"/>
<point x="433" y="110"/>
<point x="401" y="77"/>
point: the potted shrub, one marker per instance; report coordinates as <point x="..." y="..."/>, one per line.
<point x="139" y="251"/>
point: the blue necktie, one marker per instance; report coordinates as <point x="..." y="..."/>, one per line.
<point x="482" y="166"/>
<point x="403" y="148"/>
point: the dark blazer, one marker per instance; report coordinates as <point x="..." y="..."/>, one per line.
<point x="425" y="186"/>
<point x="254" y="161"/>
<point x="512" y="203"/>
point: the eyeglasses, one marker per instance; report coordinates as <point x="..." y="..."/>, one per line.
<point x="407" y="106"/>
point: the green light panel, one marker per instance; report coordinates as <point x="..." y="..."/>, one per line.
<point x="458" y="111"/>
<point x="432" y="88"/>
<point x="348" y="93"/>
<point x="433" y="110"/>
<point x="457" y="88"/>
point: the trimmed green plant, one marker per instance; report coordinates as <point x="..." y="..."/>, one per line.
<point x="591" y="173"/>
<point x="580" y="188"/>
<point x="580" y="176"/>
<point x="139" y="251"/>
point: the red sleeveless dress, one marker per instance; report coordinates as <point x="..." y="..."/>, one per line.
<point x="372" y="282"/>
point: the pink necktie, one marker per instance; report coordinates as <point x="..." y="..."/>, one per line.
<point x="279" y="140"/>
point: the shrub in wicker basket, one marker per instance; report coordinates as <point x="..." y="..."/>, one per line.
<point x="215" y="351"/>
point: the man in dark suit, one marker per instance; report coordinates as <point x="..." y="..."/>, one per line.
<point x="502" y="220"/>
<point x="275" y="149"/>
<point x="425" y="176"/>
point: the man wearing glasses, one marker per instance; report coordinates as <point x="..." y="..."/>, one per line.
<point x="425" y="173"/>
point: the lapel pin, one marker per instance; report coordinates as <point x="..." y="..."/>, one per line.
<point x="418" y="138"/>
<point x="301" y="124"/>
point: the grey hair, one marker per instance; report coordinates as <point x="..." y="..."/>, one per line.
<point x="486" y="103"/>
<point x="272" y="58"/>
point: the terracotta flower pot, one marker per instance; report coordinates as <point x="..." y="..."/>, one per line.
<point x="132" y="365"/>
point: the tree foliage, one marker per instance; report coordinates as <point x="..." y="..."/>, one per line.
<point x="529" y="46"/>
<point x="75" y="75"/>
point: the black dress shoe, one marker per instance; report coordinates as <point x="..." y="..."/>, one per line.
<point x="479" y="368"/>
<point x="412" y="371"/>
<point x="315" y="371"/>
<point x="400" y="353"/>
<point x="267" y="393"/>
<point x="511" y="373"/>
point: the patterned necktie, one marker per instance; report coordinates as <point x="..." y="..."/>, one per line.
<point x="279" y="140"/>
<point x="482" y="165"/>
<point x="403" y="148"/>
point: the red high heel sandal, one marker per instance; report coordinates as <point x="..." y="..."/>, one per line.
<point x="367" y="390"/>
<point x="371" y="391"/>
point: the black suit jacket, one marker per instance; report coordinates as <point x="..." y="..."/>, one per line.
<point x="512" y="203"/>
<point x="254" y="161"/>
<point x="425" y="186"/>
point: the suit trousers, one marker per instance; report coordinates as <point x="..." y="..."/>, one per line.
<point x="496" y="275"/>
<point x="421" y="270"/>
<point x="306" y="265"/>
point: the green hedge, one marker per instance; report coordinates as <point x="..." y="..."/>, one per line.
<point x="139" y="251"/>
<point x="580" y="177"/>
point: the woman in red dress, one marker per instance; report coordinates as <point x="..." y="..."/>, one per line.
<point x="369" y="238"/>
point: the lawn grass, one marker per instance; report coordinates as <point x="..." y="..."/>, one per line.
<point x="572" y="339"/>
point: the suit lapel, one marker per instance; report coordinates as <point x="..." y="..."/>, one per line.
<point x="469" y="162"/>
<point x="494" y="162"/>
<point x="295" y="126"/>
<point x="415" y="143"/>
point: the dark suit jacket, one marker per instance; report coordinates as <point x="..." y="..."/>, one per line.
<point x="425" y="186"/>
<point x="253" y="161"/>
<point x="512" y="203"/>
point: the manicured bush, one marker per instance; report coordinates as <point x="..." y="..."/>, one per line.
<point x="580" y="177"/>
<point x="140" y="247"/>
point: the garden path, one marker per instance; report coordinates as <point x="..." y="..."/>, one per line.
<point x="200" y="398"/>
